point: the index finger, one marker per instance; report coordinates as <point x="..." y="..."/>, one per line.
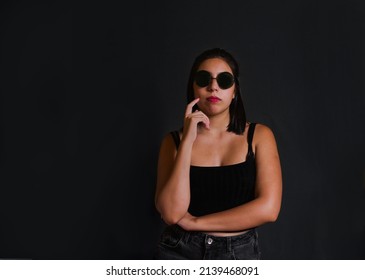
<point x="189" y="108"/>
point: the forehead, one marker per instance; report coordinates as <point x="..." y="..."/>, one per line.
<point x="215" y="65"/>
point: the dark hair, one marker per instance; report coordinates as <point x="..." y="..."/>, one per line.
<point x="237" y="114"/>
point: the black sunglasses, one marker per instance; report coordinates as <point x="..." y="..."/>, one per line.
<point x="203" y="78"/>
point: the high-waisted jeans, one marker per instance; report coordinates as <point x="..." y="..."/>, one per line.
<point x="179" y="244"/>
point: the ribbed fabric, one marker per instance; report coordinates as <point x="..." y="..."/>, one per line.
<point x="218" y="188"/>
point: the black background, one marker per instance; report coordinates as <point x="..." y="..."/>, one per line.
<point x="90" y="89"/>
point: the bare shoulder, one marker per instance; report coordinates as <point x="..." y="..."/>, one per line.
<point x="168" y="144"/>
<point x="263" y="136"/>
<point x="262" y="132"/>
<point x="167" y="139"/>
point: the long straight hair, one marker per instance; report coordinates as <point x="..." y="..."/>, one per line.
<point x="237" y="114"/>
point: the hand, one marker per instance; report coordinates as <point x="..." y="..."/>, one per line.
<point x="192" y="119"/>
<point x="188" y="222"/>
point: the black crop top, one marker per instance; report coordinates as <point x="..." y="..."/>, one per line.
<point x="218" y="188"/>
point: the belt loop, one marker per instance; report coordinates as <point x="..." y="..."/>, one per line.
<point x="229" y="247"/>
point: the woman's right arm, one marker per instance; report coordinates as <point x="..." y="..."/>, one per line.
<point x="172" y="197"/>
<point x="173" y="188"/>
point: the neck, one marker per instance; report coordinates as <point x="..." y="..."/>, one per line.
<point x="217" y="123"/>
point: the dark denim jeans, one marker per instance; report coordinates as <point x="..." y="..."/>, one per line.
<point x="178" y="244"/>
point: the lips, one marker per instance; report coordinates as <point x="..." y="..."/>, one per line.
<point x="213" y="99"/>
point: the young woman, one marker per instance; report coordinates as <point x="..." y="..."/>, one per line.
<point x="219" y="177"/>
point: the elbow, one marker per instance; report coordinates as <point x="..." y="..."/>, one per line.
<point x="272" y="215"/>
<point x="171" y="218"/>
<point x="270" y="212"/>
<point x="171" y="213"/>
<point x="270" y="209"/>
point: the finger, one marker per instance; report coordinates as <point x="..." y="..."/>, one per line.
<point x="197" y="113"/>
<point x="205" y="119"/>
<point x="189" y="108"/>
<point x="200" y="117"/>
<point x="206" y="122"/>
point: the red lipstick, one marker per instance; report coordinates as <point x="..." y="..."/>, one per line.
<point x="213" y="99"/>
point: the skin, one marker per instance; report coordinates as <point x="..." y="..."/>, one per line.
<point x="206" y="142"/>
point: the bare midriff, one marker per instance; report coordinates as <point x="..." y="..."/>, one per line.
<point x="225" y="234"/>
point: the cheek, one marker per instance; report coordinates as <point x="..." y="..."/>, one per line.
<point x="230" y="95"/>
<point x="197" y="92"/>
<point x="234" y="93"/>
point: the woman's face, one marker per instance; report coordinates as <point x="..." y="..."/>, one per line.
<point x="213" y="99"/>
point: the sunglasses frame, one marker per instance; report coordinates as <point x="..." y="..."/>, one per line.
<point x="219" y="81"/>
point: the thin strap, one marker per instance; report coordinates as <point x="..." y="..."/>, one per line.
<point x="250" y="132"/>
<point x="176" y="136"/>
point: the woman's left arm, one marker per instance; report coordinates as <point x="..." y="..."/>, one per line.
<point x="268" y="191"/>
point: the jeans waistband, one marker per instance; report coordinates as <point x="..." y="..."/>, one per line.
<point x="207" y="238"/>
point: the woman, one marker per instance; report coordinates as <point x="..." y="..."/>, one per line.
<point x="218" y="178"/>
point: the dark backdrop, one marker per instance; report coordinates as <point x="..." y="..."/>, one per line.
<point x="89" y="91"/>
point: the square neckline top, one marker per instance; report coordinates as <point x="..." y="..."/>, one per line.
<point x="218" y="188"/>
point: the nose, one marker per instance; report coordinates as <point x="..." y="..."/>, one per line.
<point x="213" y="85"/>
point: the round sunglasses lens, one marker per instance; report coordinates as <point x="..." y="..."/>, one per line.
<point x="225" y="80"/>
<point x="202" y="78"/>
